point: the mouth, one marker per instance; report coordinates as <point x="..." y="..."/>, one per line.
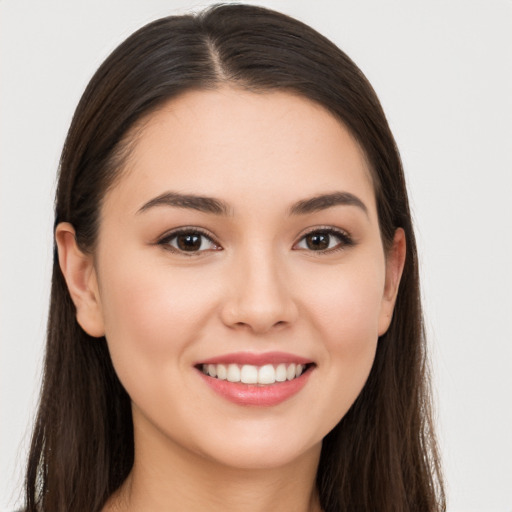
<point x="265" y="375"/>
<point x="257" y="380"/>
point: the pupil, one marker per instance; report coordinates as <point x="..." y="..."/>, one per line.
<point x="317" y="241"/>
<point x="189" y="242"/>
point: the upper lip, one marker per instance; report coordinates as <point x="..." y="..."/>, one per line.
<point x="256" y="359"/>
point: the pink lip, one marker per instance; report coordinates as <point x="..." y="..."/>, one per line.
<point x="256" y="359"/>
<point x="252" y="394"/>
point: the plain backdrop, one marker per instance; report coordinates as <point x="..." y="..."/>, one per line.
<point x="442" y="70"/>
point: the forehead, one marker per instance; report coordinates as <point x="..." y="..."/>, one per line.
<point x="227" y="141"/>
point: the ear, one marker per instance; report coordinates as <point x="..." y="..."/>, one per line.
<point x="80" y="275"/>
<point x="394" y="267"/>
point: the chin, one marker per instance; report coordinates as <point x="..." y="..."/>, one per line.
<point x="257" y="459"/>
<point x="261" y="451"/>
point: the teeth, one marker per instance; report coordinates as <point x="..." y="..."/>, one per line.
<point x="233" y="373"/>
<point x="281" y="373"/>
<point x="250" y="374"/>
<point x="222" y="372"/>
<point x="266" y="374"/>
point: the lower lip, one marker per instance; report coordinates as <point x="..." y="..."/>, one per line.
<point x="252" y="394"/>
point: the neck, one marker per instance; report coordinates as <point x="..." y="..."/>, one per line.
<point x="175" y="479"/>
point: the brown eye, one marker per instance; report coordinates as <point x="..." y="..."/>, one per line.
<point x="324" y="240"/>
<point x="317" y="241"/>
<point x="188" y="242"/>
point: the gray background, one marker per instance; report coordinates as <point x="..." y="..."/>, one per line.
<point x="442" y="70"/>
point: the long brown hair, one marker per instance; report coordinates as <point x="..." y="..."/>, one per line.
<point x="382" y="455"/>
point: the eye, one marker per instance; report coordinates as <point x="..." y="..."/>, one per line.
<point x="323" y="240"/>
<point x="188" y="241"/>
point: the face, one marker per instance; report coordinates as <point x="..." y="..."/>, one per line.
<point x="241" y="242"/>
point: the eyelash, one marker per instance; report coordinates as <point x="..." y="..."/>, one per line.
<point x="165" y="241"/>
<point x="345" y="240"/>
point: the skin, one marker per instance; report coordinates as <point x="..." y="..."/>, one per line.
<point x="257" y="286"/>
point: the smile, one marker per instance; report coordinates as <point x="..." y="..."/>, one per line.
<point x="247" y="379"/>
<point x="250" y="374"/>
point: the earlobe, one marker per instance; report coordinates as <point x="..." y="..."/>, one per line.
<point x="395" y="261"/>
<point x="80" y="275"/>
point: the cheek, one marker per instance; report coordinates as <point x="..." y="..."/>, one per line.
<point x="345" y="313"/>
<point x="346" y="306"/>
<point x="151" y="316"/>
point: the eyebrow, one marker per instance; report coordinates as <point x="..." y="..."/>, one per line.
<point x="176" y="200"/>
<point x="218" y="207"/>
<point x="324" y="201"/>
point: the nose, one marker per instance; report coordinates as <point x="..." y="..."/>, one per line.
<point x="259" y="297"/>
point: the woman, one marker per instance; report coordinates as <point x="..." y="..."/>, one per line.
<point x="235" y="319"/>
